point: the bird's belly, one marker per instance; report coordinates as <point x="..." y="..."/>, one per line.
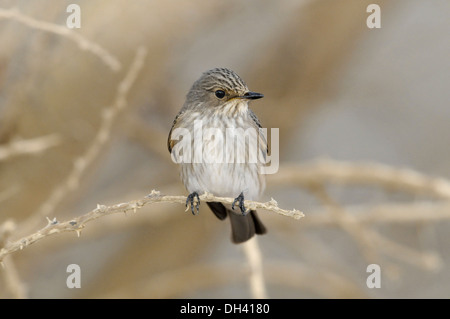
<point x="221" y="168"/>
<point x="227" y="180"/>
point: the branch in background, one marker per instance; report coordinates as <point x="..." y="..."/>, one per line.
<point x="78" y="223"/>
<point x="11" y="278"/>
<point x="181" y="281"/>
<point x="387" y="213"/>
<point x="348" y="173"/>
<point x="83" y="43"/>
<point x="369" y="239"/>
<point x="256" y="277"/>
<point x="10" y="192"/>
<point x="347" y="223"/>
<point x="12" y="281"/>
<point x="109" y="115"/>
<point x="271" y="205"/>
<point x="141" y="131"/>
<point x="30" y="146"/>
<point x="6" y="228"/>
<point x="314" y="176"/>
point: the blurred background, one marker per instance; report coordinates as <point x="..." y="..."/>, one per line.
<point x="336" y="90"/>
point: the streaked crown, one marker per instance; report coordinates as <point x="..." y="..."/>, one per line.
<point x="219" y="87"/>
<point x="221" y="78"/>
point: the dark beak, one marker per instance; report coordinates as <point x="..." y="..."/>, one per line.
<point x="252" y="96"/>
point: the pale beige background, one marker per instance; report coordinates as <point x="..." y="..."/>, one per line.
<point x="335" y="89"/>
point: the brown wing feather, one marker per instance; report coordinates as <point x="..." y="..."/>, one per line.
<point x="262" y="139"/>
<point x="171" y="143"/>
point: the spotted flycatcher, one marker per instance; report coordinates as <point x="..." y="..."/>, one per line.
<point x="217" y="125"/>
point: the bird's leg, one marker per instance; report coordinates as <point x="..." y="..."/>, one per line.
<point x="190" y="199"/>
<point x="240" y="200"/>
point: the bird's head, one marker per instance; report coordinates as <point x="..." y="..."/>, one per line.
<point x="220" y="90"/>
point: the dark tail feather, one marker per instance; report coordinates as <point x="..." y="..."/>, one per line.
<point x="218" y="209"/>
<point x="259" y="227"/>
<point x="242" y="227"/>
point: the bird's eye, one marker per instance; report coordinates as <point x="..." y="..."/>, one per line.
<point x="220" y="94"/>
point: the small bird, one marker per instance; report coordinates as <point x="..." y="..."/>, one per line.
<point x="218" y="101"/>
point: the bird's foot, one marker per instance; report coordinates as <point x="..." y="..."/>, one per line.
<point x="240" y="201"/>
<point x="190" y="199"/>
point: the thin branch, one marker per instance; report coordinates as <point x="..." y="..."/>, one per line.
<point x="271" y="205"/>
<point x="83" y="43"/>
<point x="30" y="146"/>
<point x="350" y="173"/>
<point x="78" y="223"/>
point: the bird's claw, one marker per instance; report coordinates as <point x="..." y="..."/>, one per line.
<point x="240" y="200"/>
<point x="190" y="199"/>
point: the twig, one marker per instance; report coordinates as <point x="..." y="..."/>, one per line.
<point x="330" y="171"/>
<point x="271" y="205"/>
<point x="78" y="223"/>
<point x="82" y="42"/>
<point x="30" y="146"/>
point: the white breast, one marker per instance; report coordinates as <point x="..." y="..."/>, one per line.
<point x="225" y="169"/>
